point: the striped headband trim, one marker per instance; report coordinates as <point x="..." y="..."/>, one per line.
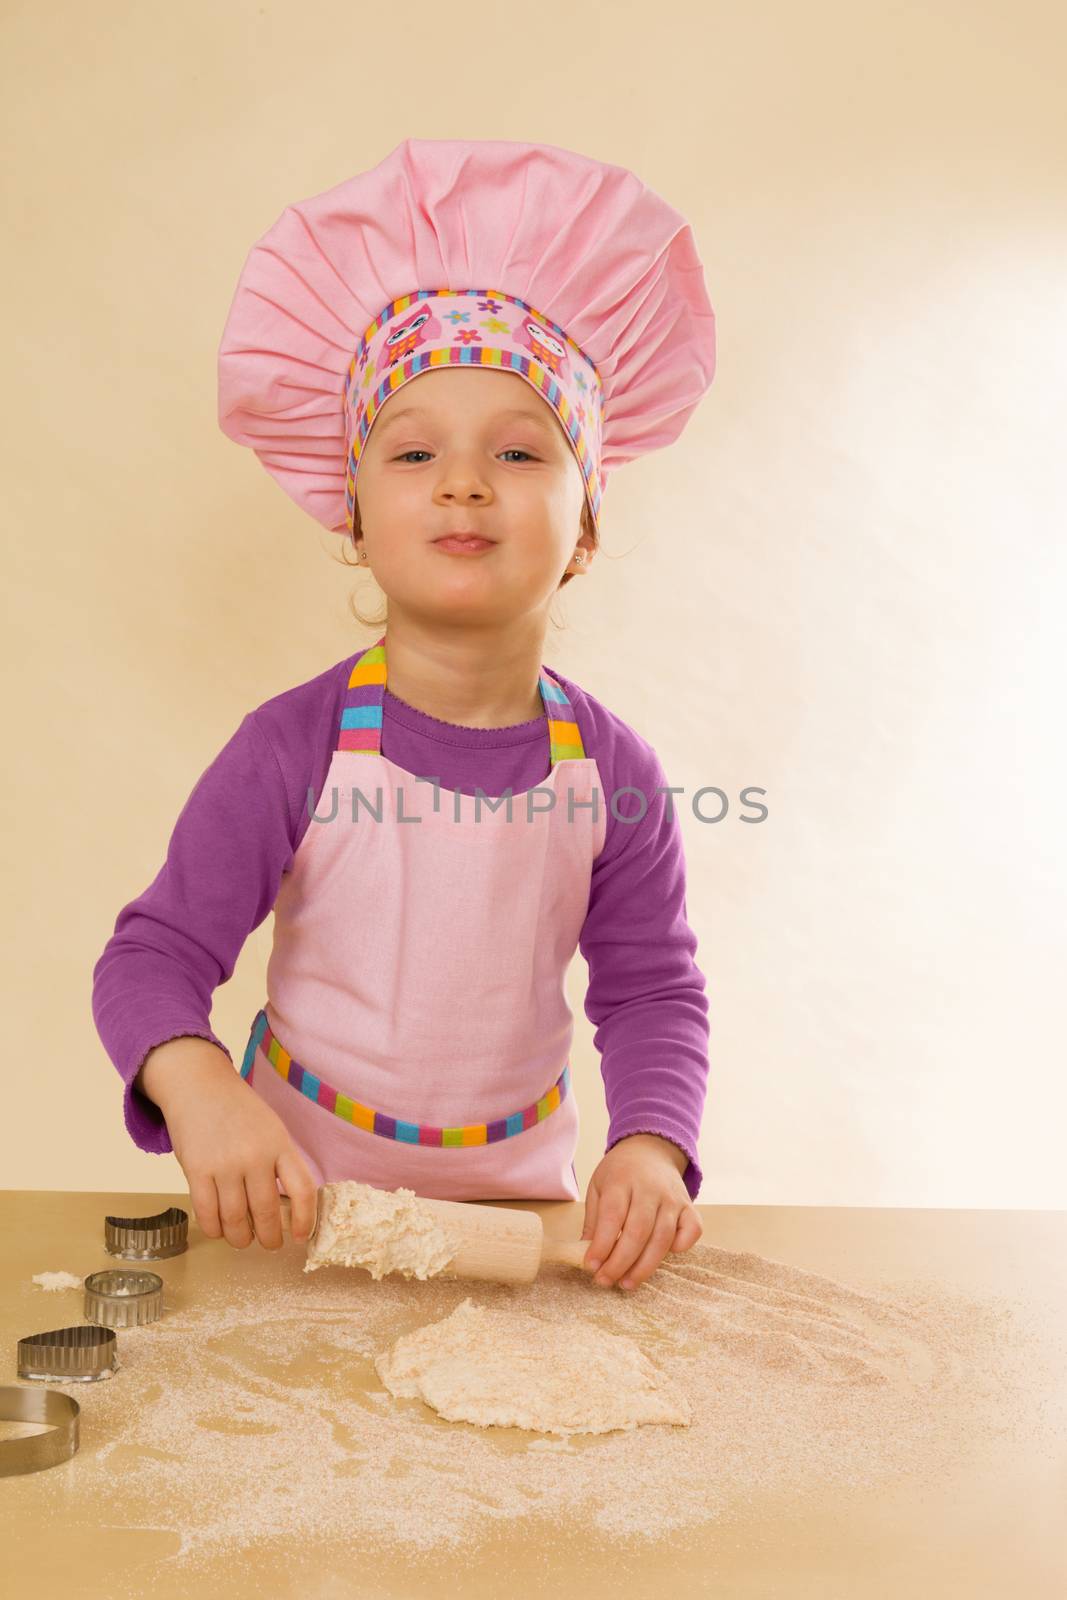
<point x="438" y="333"/>
<point x="361" y="714"/>
<point x="378" y="1122"/>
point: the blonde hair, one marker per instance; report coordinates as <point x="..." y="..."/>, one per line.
<point x="588" y="527"/>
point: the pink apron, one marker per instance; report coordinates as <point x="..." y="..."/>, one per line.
<point x="416" y="1030"/>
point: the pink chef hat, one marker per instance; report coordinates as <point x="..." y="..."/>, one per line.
<point x="523" y="257"/>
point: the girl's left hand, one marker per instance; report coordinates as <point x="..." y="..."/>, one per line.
<point x="637" y="1209"/>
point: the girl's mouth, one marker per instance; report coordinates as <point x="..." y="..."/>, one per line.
<point x="457" y="544"/>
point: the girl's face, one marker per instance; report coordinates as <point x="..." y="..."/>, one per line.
<point x="473" y="451"/>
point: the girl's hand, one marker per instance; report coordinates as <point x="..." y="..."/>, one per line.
<point x="231" y="1146"/>
<point x="637" y="1209"/>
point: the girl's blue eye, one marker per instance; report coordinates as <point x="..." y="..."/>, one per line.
<point x="515" y="452"/>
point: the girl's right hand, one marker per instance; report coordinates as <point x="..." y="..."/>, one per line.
<point x="231" y="1146"/>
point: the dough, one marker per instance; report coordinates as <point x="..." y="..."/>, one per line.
<point x="384" y="1230"/>
<point x="512" y="1370"/>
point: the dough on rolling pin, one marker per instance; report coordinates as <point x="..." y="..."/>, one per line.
<point x="382" y="1230"/>
<point x="511" y="1370"/>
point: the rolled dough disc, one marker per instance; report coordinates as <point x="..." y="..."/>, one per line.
<point x="508" y="1369"/>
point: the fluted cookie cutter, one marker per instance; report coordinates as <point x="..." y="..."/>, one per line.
<point x="147" y="1238"/>
<point x="119" y="1297"/>
<point x="71" y="1355"/>
<point x="57" y="1444"/>
<point x="114" y="1298"/>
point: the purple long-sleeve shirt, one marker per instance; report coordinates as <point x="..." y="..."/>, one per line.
<point x="241" y="825"/>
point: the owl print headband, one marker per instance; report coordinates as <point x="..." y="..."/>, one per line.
<point x="473" y="327"/>
<point x="599" y="304"/>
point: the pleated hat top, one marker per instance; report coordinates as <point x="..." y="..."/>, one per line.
<point x="514" y="257"/>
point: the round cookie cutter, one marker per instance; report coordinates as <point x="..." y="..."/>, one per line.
<point x="57" y="1444"/>
<point x="71" y="1355"/>
<point x="119" y="1297"/>
<point x="147" y="1238"/>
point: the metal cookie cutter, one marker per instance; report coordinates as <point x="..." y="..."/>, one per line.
<point x="40" y="1449"/>
<point x="115" y="1298"/>
<point x="147" y="1238"/>
<point x="71" y="1355"/>
<point x="121" y="1298"/>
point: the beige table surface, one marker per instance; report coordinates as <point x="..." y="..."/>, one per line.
<point x="994" y="1527"/>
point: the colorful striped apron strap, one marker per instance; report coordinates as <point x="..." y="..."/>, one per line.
<point x="361" y="714"/>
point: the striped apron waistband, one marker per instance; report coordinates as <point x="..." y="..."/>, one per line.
<point x="387" y="1127"/>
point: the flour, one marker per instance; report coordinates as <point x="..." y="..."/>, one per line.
<point x="250" y="1424"/>
<point x="509" y="1369"/>
<point x="381" y="1230"/>
<point x="57" y="1280"/>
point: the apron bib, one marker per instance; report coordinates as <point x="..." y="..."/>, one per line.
<point x="416" y="1030"/>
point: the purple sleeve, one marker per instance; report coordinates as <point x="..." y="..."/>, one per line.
<point x="180" y="939"/>
<point x="646" y="994"/>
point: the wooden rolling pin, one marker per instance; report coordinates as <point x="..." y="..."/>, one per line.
<point x="494" y="1242"/>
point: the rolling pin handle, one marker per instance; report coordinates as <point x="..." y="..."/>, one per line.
<point x="565" y="1252"/>
<point x="287" y="1215"/>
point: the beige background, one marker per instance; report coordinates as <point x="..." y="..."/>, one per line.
<point x="846" y="574"/>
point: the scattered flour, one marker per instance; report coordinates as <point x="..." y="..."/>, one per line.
<point x="251" y="1417"/>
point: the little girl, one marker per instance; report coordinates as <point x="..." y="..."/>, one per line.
<point x="440" y="820"/>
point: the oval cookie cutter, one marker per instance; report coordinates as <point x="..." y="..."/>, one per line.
<point x="71" y="1355"/>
